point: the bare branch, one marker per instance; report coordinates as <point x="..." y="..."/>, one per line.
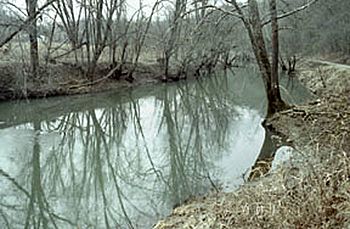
<point x="231" y="13"/>
<point x="239" y="10"/>
<point x="296" y="10"/>
<point x="26" y="23"/>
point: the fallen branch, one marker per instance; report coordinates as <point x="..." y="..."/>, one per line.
<point x="110" y="73"/>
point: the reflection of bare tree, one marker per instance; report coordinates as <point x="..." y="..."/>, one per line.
<point x="139" y="130"/>
<point x="177" y="157"/>
<point x="37" y="194"/>
<point x="107" y="169"/>
<point x="100" y="136"/>
<point x="188" y="118"/>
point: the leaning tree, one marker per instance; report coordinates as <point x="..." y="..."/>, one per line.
<point x="268" y="66"/>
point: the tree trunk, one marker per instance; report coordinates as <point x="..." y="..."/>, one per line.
<point x="275" y="103"/>
<point x="172" y="48"/>
<point x="33" y="38"/>
<point x="269" y="72"/>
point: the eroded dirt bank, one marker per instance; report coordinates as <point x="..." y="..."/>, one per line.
<point x="312" y="189"/>
<point x="68" y="79"/>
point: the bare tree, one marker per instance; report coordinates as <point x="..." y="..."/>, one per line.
<point x="102" y="26"/>
<point x="268" y="68"/>
<point x="71" y="22"/>
<point x="33" y="37"/>
<point x="175" y="29"/>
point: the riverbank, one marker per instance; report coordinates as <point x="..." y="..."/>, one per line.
<point x="312" y="189"/>
<point x="62" y="78"/>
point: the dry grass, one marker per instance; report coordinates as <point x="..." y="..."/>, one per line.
<point x="312" y="190"/>
<point x="325" y="79"/>
<point x="291" y="198"/>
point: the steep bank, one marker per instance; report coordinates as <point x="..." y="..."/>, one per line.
<point x="313" y="188"/>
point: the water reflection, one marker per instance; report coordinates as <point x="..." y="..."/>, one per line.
<point x="126" y="161"/>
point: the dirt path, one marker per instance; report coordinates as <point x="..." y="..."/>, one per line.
<point x="336" y="65"/>
<point x="325" y="77"/>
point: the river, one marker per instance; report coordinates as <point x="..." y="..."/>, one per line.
<point x="125" y="159"/>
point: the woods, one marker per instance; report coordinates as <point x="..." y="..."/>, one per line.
<point x="108" y="40"/>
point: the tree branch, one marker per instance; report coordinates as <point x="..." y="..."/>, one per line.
<point x="287" y="14"/>
<point x="231" y="13"/>
<point x="26" y="23"/>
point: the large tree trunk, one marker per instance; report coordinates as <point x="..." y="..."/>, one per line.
<point x="33" y="38"/>
<point x="269" y="73"/>
<point x="275" y="102"/>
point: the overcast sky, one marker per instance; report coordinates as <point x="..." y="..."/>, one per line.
<point x="132" y="5"/>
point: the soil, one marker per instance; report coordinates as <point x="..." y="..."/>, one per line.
<point x="310" y="190"/>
